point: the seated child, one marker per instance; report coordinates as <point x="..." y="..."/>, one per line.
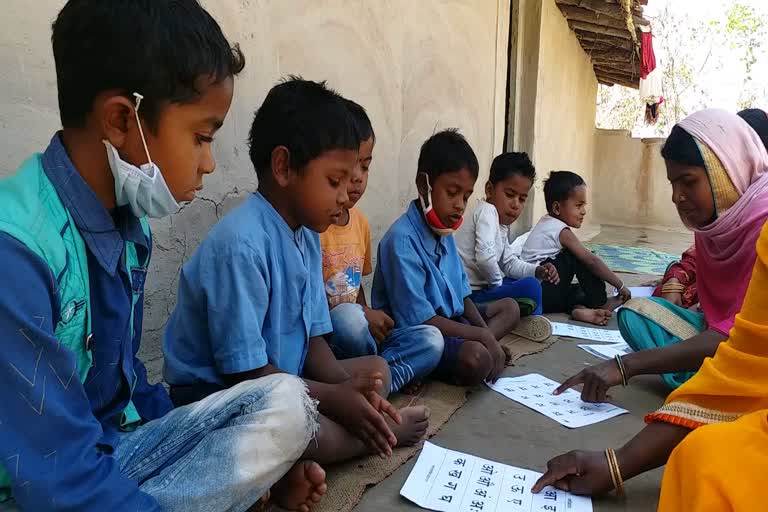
<point x="419" y="279"/>
<point x="251" y="300"/>
<point x="143" y="87"/>
<point x="412" y="352"/>
<point x="552" y="241"/>
<point x="494" y="268"/>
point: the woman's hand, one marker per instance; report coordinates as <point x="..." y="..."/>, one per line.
<point x="597" y="380"/>
<point x="578" y="472"/>
<point x="675" y="298"/>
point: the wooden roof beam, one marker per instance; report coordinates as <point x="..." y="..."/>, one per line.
<point x="599" y="29"/>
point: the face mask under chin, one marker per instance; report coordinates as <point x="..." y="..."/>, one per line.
<point x="143" y="187"/>
<point x="430" y="216"/>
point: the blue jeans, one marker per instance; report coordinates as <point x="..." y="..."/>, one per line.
<point x="526" y="288"/>
<point x="411" y="352"/>
<point x="223" y="452"/>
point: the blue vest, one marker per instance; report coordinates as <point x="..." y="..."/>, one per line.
<point x="33" y="214"/>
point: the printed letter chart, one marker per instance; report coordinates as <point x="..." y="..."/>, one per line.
<point x="447" y="481"/>
<point x="586" y="333"/>
<point x="535" y="391"/>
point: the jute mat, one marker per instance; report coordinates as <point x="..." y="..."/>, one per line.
<point x="348" y="481"/>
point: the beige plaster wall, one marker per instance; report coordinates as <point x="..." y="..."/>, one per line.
<point x="565" y="105"/>
<point x="417" y="66"/>
<point x="630" y="182"/>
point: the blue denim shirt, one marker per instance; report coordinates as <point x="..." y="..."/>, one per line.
<point x="418" y="274"/>
<point x="252" y="294"/>
<point x="58" y="436"/>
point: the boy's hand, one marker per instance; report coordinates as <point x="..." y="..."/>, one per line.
<point x="548" y="272"/>
<point x="359" y="408"/>
<point x="498" y="355"/>
<point x="624" y="294"/>
<point x="379" y="323"/>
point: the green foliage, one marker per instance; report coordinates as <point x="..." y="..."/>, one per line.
<point x="691" y="48"/>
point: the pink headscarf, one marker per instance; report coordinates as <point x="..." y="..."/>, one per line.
<point x="725" y="249"/>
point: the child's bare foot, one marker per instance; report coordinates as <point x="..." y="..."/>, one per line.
<point x="413" y="387"/>
<point x="592" y="316"/>
<point x="414" y="425"/>
<point x="301" y="488"/>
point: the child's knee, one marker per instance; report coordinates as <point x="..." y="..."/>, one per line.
<point x="433" y="342"/>
<point x="380" y="365"/>
<point x="509" y="309"/>
<point x="292" y="411"/>
<point x="351" y="337"/>
<point x="474" y="363"/>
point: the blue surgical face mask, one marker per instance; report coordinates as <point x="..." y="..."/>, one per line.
<point x="143" y="187"/>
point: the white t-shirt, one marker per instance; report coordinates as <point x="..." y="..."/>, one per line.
<point x="544" y="241"/>
<point x="486" y="250"/>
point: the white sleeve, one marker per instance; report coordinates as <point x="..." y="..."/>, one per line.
<point x="485" y="245"/>
<point x="514" y="267"/>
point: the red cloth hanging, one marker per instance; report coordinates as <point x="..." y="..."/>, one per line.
<point x="648" y="60"/>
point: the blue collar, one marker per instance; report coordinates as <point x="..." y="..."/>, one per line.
<point x="297" y="236"/>
<point x="96" y="225"/>
<point x="432" y="243"/>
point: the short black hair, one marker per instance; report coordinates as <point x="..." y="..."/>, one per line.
<point x="447" y="151"/>
<point x="559" y="186"/>
<point x="510" y="164"/>
<point x="362" y="121"/>
<point x="306" y="117"/>
<point x="158" y="48"/>
<point x="680" y="147"/>
<point x="758" y="120"/>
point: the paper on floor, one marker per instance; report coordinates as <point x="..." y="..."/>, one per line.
<point x="639" y="292"/>
<point x="535" y="392"/>
<point x="607" y="351"/>
<point x="586" y="333"/>
<point x="447" y="481"/>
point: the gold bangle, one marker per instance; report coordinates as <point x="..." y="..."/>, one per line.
<point x="622" y="371"/>
<point x="611" y="470"/>
<point x="672" y="288"/>
<point x="617" y="475"/>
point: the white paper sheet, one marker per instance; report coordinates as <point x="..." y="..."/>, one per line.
<point x="448" y="481"/>
<point x="535" y="392"/>
<point x="586" y="333"/>
<point x="638" y="292"/>
<point x="607" y="351"/>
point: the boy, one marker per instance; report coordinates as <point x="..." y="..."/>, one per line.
<point x="494" y="268"/>
<point x="251" y="300"/>
<point x="81" y="429"/>
<point x="552" y="241"/>
<point x="420" y="280"/>
<point x="412" y="352"/>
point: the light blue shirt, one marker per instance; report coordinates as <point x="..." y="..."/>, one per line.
<point x="419" y="275"/>
<point x="252" y="294"/>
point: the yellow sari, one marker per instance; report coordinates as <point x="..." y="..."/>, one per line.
<point x="721" y="465"/>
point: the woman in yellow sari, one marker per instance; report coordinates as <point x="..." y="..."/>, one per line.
<point x="721" y="464"/>
<point x="715" y="426"/>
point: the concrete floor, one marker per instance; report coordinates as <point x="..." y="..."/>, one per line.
<point x="496" y="428"/>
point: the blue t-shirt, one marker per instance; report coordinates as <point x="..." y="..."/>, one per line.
<point x="252" y="294"/>
<point x="419" y="274"/>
